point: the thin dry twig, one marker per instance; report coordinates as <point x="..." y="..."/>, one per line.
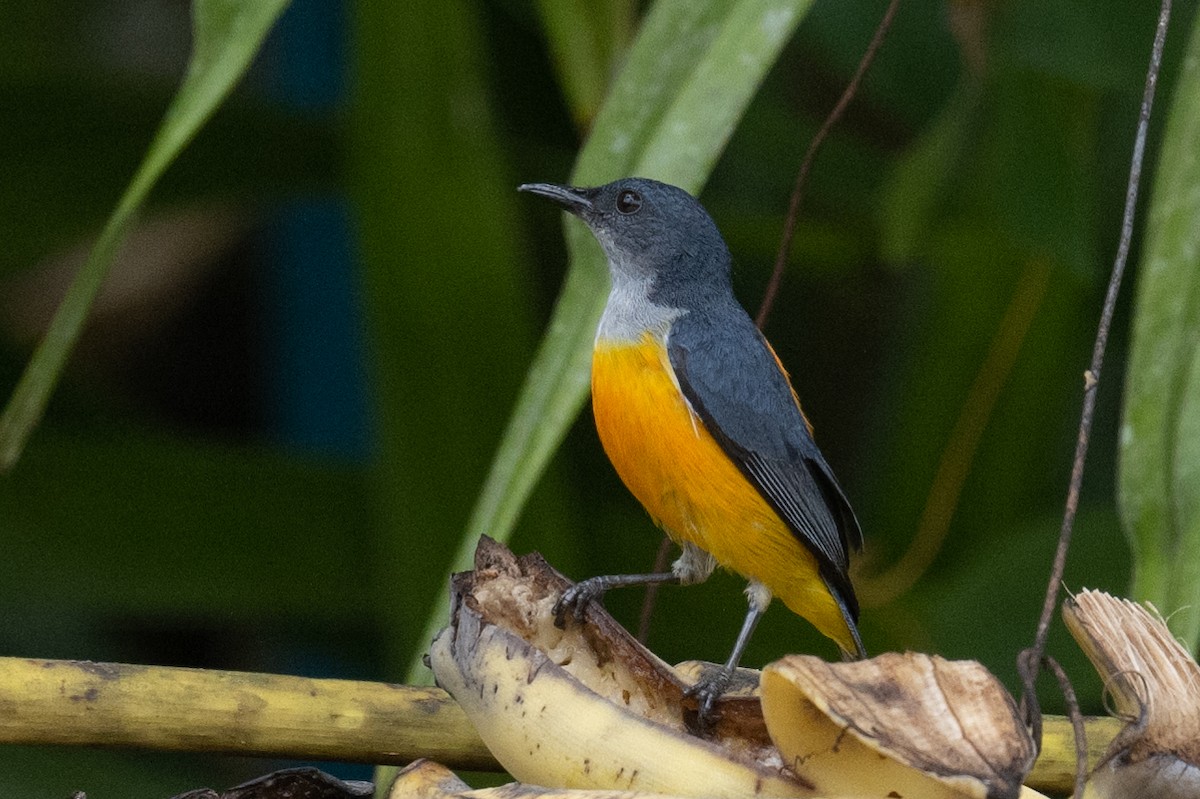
<point x="1077" y="726"/>
<point x="1029" y="660"/>
<point x="793" y="214"/>
<point x="660" y="565"/>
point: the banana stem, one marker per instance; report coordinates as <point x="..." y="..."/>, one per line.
<point x="80" y="703"/>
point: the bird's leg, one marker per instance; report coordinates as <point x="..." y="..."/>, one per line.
<point x="576" y="598"/>
<point x="693" y="566"/>
<point x="709" y="689"/>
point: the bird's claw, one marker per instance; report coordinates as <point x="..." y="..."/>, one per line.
<point x="707" y="691"/>
<point x="575" y="599"/>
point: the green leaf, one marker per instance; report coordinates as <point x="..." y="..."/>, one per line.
<point x="225" y="36"/>
<point x="690" y="75"/>
<point x="586" y="38"/>
<point x="1159" y="473"/>
<point x="446" y="286"/>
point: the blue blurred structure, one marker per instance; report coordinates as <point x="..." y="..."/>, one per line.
<point x="316" y="389"/>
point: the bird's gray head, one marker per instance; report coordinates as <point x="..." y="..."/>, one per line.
<point x="651" y="232"/>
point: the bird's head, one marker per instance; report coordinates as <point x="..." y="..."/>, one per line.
<point x="650" y="231"/>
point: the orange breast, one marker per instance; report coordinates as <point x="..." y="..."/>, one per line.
<point x="691" y="488"/>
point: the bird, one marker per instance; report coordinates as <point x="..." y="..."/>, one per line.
<point x="701" y="422"/>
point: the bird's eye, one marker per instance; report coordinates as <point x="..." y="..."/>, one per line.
<point x="628" y="202"/>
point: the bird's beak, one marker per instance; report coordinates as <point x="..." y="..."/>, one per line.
<point x="574" y="200"/>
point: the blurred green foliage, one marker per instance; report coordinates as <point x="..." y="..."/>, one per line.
<point x="225" y="38"/>
<point x="989" y="144"/>
<point x="1160" y="439"/>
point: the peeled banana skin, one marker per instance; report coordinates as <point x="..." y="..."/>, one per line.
<point x="587" y="711"/>
<point x="586" y="707"/>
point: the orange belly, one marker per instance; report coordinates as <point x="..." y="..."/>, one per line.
<point x="691" y="488"/>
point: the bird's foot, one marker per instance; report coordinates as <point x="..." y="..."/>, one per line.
<point x="707" y="691"/>
<point x="575" y="600"/>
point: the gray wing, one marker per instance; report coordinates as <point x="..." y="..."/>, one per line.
<point x="747" y="405"/>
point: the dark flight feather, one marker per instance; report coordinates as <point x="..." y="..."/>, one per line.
<point x="747" y="405"/>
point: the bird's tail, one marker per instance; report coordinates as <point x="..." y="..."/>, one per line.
<point x="859" y="652"/>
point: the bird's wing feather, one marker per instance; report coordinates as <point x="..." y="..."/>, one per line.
<point x="746" y="403"/>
